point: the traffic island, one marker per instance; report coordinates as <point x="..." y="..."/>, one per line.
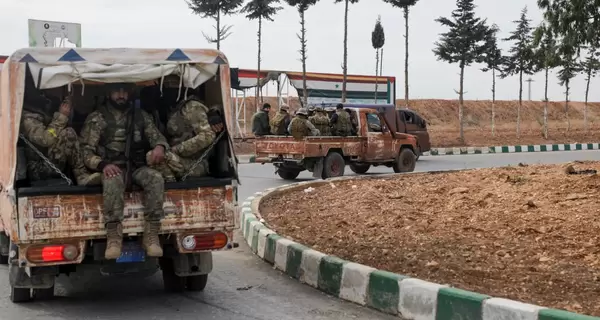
<point x="475" y="244"/>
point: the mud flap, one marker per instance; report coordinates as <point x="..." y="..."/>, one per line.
<point x="4" y="244"/>
<point x="318" y="169"/>
<point x="193" y="264"/>
<point x="33" y="278"/>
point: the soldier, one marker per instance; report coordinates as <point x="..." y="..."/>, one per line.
<point x="191" y="128"/>
<point x="311" y="111"/>
<point x="340" y="122"/>
<point x="301" y="127"/>
<point x="281" y="121"/>
<point x="321" y="121"/>
<point x="49" y="133"/>
<point x="104" y="137"/>
<point x="260" y="121"/>
<point x="353" y="121"/>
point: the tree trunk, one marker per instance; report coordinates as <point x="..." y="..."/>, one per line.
<point x="585" y="108"/>
<point x="493" y="101"/>
<point x="546" y="105"/>
<point x="520" y="105"/>
<point x="218" y="29"/>
<point x="461" y="103"/>
<point x="406" y="57"/>
<point x="258" y="68"/>
<point x="345" y="64"/>
<point x="567" y="105"/>
<point x="376" y="72"/>
<point x="303" y="53"/>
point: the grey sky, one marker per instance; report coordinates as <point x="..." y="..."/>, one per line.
<point x="169" y="23"/>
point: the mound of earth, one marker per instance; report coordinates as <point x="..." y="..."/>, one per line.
<point x="528" y="233"/>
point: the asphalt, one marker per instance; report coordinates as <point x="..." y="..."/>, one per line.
<point x="241" y="287"/>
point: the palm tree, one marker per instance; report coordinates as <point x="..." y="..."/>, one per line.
<point x="261" y="10"/>
<point x="302" y="6"/>
<point x="405" y="5"/>
<point x="214" y="9"/>
<point x="345" y="63"/>
<point x="377" y="40"/>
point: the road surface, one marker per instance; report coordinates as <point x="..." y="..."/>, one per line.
<point x="242" y="287"/>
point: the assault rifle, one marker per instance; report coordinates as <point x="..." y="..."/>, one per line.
<point x="130" y="127"/>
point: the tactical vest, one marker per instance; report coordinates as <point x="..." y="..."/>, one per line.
<point x="114" y="139"/>
<point x="321" y="122"/>
<point x="178" y="126"/>
<point x="343" y="126"/>
<point x="298" y="128"/>
<point x="278" y="123"/>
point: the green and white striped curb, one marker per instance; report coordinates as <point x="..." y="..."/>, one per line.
<point x="514" y="149"/>
<point x="408" y="298"/>
<point x="246" y="158"/>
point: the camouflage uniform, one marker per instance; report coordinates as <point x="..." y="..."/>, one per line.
<point x="59" y="143"/>
<point x="103" y="140"/>
<point x="342" y="124"/>
<point x="190" y="133"/>
<point x="260" y="123"/>
<point x="321" y="122"/>
<point x="301" y="127"/>
<point x="278" y="123"/>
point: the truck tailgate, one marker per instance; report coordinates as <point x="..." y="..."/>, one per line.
<point x="73" y="214"/>
<point x="275" y="146"/>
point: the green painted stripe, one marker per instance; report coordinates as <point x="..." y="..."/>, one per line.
<point x="543" y="148"/>
<point x="492" y="149"/>
<point x="504" y="149"/>
<point x="552" y="314"/>
<point x="578" y="146"/>
<point x="270" y="247"/>
<point x="434" y="152"/>
<point x="294" y="259"/>
<point x="255" y="231"/>
<point x="590" y="146"/>
<point x="567" y="147"/>
<point x="252" y="159"/>
<point x="555" y="147"/>
<point x="518" y="149"/>
<point x="249" y="220"/>
<point x="383" y="292"/>
<point x="454" y="304"/>
<point x="478" y="151"/>
<point x="531" y="148"/>
<point x="330" y="275"/>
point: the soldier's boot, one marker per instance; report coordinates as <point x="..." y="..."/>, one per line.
<point x="150" y="239"/>
<point x="114" y="240"/>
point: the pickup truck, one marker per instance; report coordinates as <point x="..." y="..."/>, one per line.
<point x="53" y="226"/>
<point x="327" y="156"/>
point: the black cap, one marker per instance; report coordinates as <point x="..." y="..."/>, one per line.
<point x="119" y="85"/>
<point x="266" y="105"/>
<point x="339" y="106"/>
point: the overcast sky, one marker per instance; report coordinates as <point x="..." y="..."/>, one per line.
<point x="169" y="23"/>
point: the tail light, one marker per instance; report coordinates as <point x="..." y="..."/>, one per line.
<point x="206" y="241"/>
<point x="52" y="253"/>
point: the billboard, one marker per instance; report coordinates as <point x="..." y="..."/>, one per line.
<point x="44" y="33"/>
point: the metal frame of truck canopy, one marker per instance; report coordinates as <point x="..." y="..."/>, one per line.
<point x="56" y="67"/>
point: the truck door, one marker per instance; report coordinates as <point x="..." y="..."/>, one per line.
<point x="415" y="125"/>
<point x="379" y="138"/>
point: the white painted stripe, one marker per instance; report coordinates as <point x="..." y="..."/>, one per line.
<point x="548" y="147"/>
<point x="499" y="149"/>
<point x="561" y="147"/>
<point x="524" y="148"/>
<point x="455" y="150"/>
<point x="281" y="250"/>
<point x="309" y="267"/>
<point x="485" y="150"/>
<point x="250" y="236"/>
<point x="470" y="150"/>
<point x="511" y="149"/>
<point x="355" y="281"/>
<point x="573" y="147"/>
<point x="595" y="146"/>
<point x="247" y="203"/>
<point x="337" y="85"/>
<point x="245" y="220"/>
<point x="584" y="146"/>
<point x="537" y="148"/>
<point x="262" y="241"/>
<point x="418" y="299"/>
<point x="503" y="309"/>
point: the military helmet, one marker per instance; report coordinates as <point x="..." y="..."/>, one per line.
<point x="302" y="111"/>
<point x="284" y="107"/>
<point x="319" y="109"/>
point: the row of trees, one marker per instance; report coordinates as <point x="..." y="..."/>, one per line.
<point x="558" y="42"/>
<point x="265" y="10"/>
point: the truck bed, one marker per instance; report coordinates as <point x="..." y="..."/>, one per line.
<point x="269" y="147"/>
<point x="76" y="211"/>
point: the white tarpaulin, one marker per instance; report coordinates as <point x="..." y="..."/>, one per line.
<point x="54" y="76"/>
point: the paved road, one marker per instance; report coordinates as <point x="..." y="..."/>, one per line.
<point x="86" y="295"/>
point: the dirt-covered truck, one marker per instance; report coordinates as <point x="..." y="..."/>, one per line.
<point x="327" y="156"/>
<point x="52" y="226"/>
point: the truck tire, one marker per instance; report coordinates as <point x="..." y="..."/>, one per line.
<point x="359" y="168"/>
<point x="18" y="295"/>
<point x="196" y="283"/>
<point x="406" y="161"/>
<point x="171" y="281"/>
<point x="287" y="174"/>
<point x="43" y="294"/>
<point x="333" y="165"/>
<point x="3" y="259"/>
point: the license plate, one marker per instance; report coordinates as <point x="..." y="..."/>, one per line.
<point x="132" y="252"/>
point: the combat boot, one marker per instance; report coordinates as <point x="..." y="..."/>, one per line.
<point x="114" y="240"/>
<point x="150" y="239"/>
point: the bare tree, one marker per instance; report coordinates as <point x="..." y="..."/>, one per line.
<point x="345" y="63"/>
<point x="214" y="9"/>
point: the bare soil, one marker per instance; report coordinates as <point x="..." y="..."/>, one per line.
<point x="528" y="233"/>
<point x="442" y="116"/>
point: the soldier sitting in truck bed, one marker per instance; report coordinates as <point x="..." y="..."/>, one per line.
<point x="341" y="123"/>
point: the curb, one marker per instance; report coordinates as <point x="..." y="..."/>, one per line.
<point x="244" y="158"/>
<point x="391" y="293"/>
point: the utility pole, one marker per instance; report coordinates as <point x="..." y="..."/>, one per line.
<point x="529" y="81"/>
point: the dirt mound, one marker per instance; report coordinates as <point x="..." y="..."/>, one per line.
<point x="526" y="233"/>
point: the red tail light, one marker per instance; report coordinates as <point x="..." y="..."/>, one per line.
<point x="52" y="253"/>
<point x="207" y="241"/>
